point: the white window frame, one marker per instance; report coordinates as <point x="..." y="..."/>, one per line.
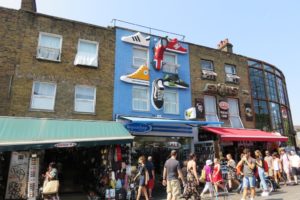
<point x="41" y="96"/>
<point x="97" y="50"/>
<point x="133" y="57"/>
<point x="147" y="100"/>
<point x="234" y="115"/>
<point x="39" y="45"/>
<point x="167" y="66"/>
<point x="212" y="64"/>
<point x="85" y="100"/>
<point x="232" y="66"/>
<point x="213" y="114"/>
<point x="177" y="102"/>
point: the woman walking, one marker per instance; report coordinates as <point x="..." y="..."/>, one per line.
<point x="192" y="178"/>
<point x="261" y="172"/>
<point x="277" y="168"/>
<point x="143" y="178"/>
<point x="217" y="175"/>
<point x="231" y="174"/>
<point x="51" y="175"/>
<point x="208" y="179"/>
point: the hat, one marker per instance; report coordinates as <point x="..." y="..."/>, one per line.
<point x="208" y="162"/>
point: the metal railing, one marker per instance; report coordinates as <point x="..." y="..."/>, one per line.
<point x="149" y="30"/>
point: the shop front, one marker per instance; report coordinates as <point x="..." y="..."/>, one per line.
<point x="89" y="156"/>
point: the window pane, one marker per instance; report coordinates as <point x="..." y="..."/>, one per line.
<point x="210" y="105"/>
<point x="230" y="69"/>
<point x="233" y="107"/>
<point x="262" y="118"/>
<point x="42" y="103"/>
<point x="236" y="122"/>
<point x="170" y="102"/>
<point x="84" y="106"/>
<point x="170" y="58"/>
<point x="43" y="96"/>
<point x="140" y="99"/>
<point x="275" y="117"/>
<point x="139" y="57"/>
<point x="212" y="118"/>
<point x="252" y="63"/>
<point x="50" y="41"/>
<point x="207" y="65"/>
<point x="271" y="86"/>
<point x="257" y="83"/>
<point x="44" y="89"/>
<point x="85" y="93"/>
<point x="268" y="68"/>
<point x="281" y="92"/>
<point x="87" y="48"/>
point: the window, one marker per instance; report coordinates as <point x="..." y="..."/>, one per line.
<point x="87" y="53"/>
<point x="252" y="63"/>
<point x="262" y="118"/>
<point x="43" y="96"/>
<point x="234" y="114"/>
<point x="85" y="99"/>
<point x="211" y="110"/>
<point x="207" y="65"/>
<point x="268" y="68"/>
<point x="275" y="117"/>
<point x="49" y="47"/>
<point x="171" y="102"/>
<point x="170" y="65"/>
<point x="271" y="86"/>
<point x="257" y="83"/>
<point x="140" y="57"/>
<point x="281" y="92"/>
<point x="140" y="99"/>
<point x="230" y="69"/>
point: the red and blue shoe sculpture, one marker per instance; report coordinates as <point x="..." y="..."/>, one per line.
<point x="175" y="46"/>
<point x="159" y="50"/>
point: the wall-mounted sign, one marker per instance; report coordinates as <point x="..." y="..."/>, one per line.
<point x="223" y="108"/>
<point x="221" y="89"/>
<point x="173" y="145"/>
<point x="33" y="178"/>
<point x="138" y="127"/>
<point x="248" y="112"/>
<point x="200" y="110"/>
<point x="284" y="112"/>
<point x="65" y="145"/>
<point x="190" y="113"/>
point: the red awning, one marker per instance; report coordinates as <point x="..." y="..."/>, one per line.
<point x="234" y="134"/>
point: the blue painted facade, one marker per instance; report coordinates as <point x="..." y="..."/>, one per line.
<point x="123" y="91"/>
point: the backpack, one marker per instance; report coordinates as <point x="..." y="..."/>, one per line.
<point x="203" y="175"/>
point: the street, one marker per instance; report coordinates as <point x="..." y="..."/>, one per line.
<point x="285" y="193"/>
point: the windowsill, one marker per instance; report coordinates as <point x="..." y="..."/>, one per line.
<point x="84" y="113"/>
<point x="172" y="113"/>
<point x="84" y="65"/>
<point x="41" y="110"/>
<point x="57" y="61"/>
<point x="140" y="110"/>
<point x="207" y="79"/>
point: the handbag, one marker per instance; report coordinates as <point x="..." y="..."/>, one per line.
<point x="51" y="187"/>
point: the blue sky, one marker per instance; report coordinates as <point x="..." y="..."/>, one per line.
<point x="268" y="30"/>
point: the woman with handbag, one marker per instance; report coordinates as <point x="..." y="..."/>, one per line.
<point x="51" y="183"/>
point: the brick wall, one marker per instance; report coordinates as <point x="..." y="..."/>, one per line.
<point x="65" y="74"/>
<point x="220" y="58"/>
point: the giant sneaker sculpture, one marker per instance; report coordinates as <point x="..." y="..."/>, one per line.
<point x="140" y="76"/>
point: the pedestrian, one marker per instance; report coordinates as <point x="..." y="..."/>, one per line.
<point x="192" y="178"/>
<point x="277" y="168"/>
<point x="269" y="160"/>
<point x="151" y="171"/>
<point x="217" y="175"/>
<point x="49" y="176"/>
<point x="285" y="165"/>
<point x="143" y="178"/>
<point x="248" y="164"/>
<point x="295" y="164"/>
<point x="208" y="178"/>
<point x="261" y="172"/>
<point x="171" y="175"/>
<point x="231" y="173"/>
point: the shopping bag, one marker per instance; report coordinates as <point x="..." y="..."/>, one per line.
<point x="51" y="187"/>
<point x="203" y="176"/>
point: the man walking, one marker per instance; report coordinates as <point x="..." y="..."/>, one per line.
<point x="269" y="161"/>
<point x="248" y="164"/>
<point x="295" y="164"/>
<point x="285" y="164"/>
<point x="172" y="173"/>
<point x="150" y="168"/>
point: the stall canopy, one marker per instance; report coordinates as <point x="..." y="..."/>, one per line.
<point x="233" y="134"/>
<point x="39" y="133"/>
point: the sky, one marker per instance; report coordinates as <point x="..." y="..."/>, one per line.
<point x="267" y="30"/>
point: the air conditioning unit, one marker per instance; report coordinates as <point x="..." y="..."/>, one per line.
<point x="209" y="74"/>
<point x="232" y="78"/>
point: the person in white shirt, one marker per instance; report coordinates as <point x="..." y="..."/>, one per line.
<point x="285" y="164"/>
<point x="295" y="164"/>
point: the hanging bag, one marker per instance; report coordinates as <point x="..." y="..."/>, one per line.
<point x="203" y="176"/>
<point x="51" y="187"/>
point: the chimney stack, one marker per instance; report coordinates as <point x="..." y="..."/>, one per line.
<point x="28" y="5"/>
<point x="225" y="45"/>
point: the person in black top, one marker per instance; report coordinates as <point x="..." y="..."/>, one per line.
<point x="150" y="168"/>
<point x="143" y="176"/>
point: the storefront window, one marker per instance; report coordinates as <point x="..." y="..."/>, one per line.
<point x="257" y="83"/>
<point x="275" y="117"/>
<point x="281" y="93"/>
<point x="262" y="118"/>
<point x="271" y="86"/>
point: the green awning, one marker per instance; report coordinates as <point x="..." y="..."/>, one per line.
<point x="18" y="133"/>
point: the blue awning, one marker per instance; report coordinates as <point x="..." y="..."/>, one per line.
<point x="168" y="121"/>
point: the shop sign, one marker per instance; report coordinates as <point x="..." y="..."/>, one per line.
<point x="248" y="112"/>
<point x="190" y="113"/>
<point x="65" y="145"/>
<point x="173" y="145"/>
<point x="221" y="89"/>
<point x="138" y="127"/>
<point x="223" y="108"/>
<point x="284" y="112"/>
<point x="200" y="110"/>
<point x="33" y="178"/>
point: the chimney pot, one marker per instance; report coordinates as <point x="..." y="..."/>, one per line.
<point x="225" y="45"/>
<point x="28" y="5"/>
